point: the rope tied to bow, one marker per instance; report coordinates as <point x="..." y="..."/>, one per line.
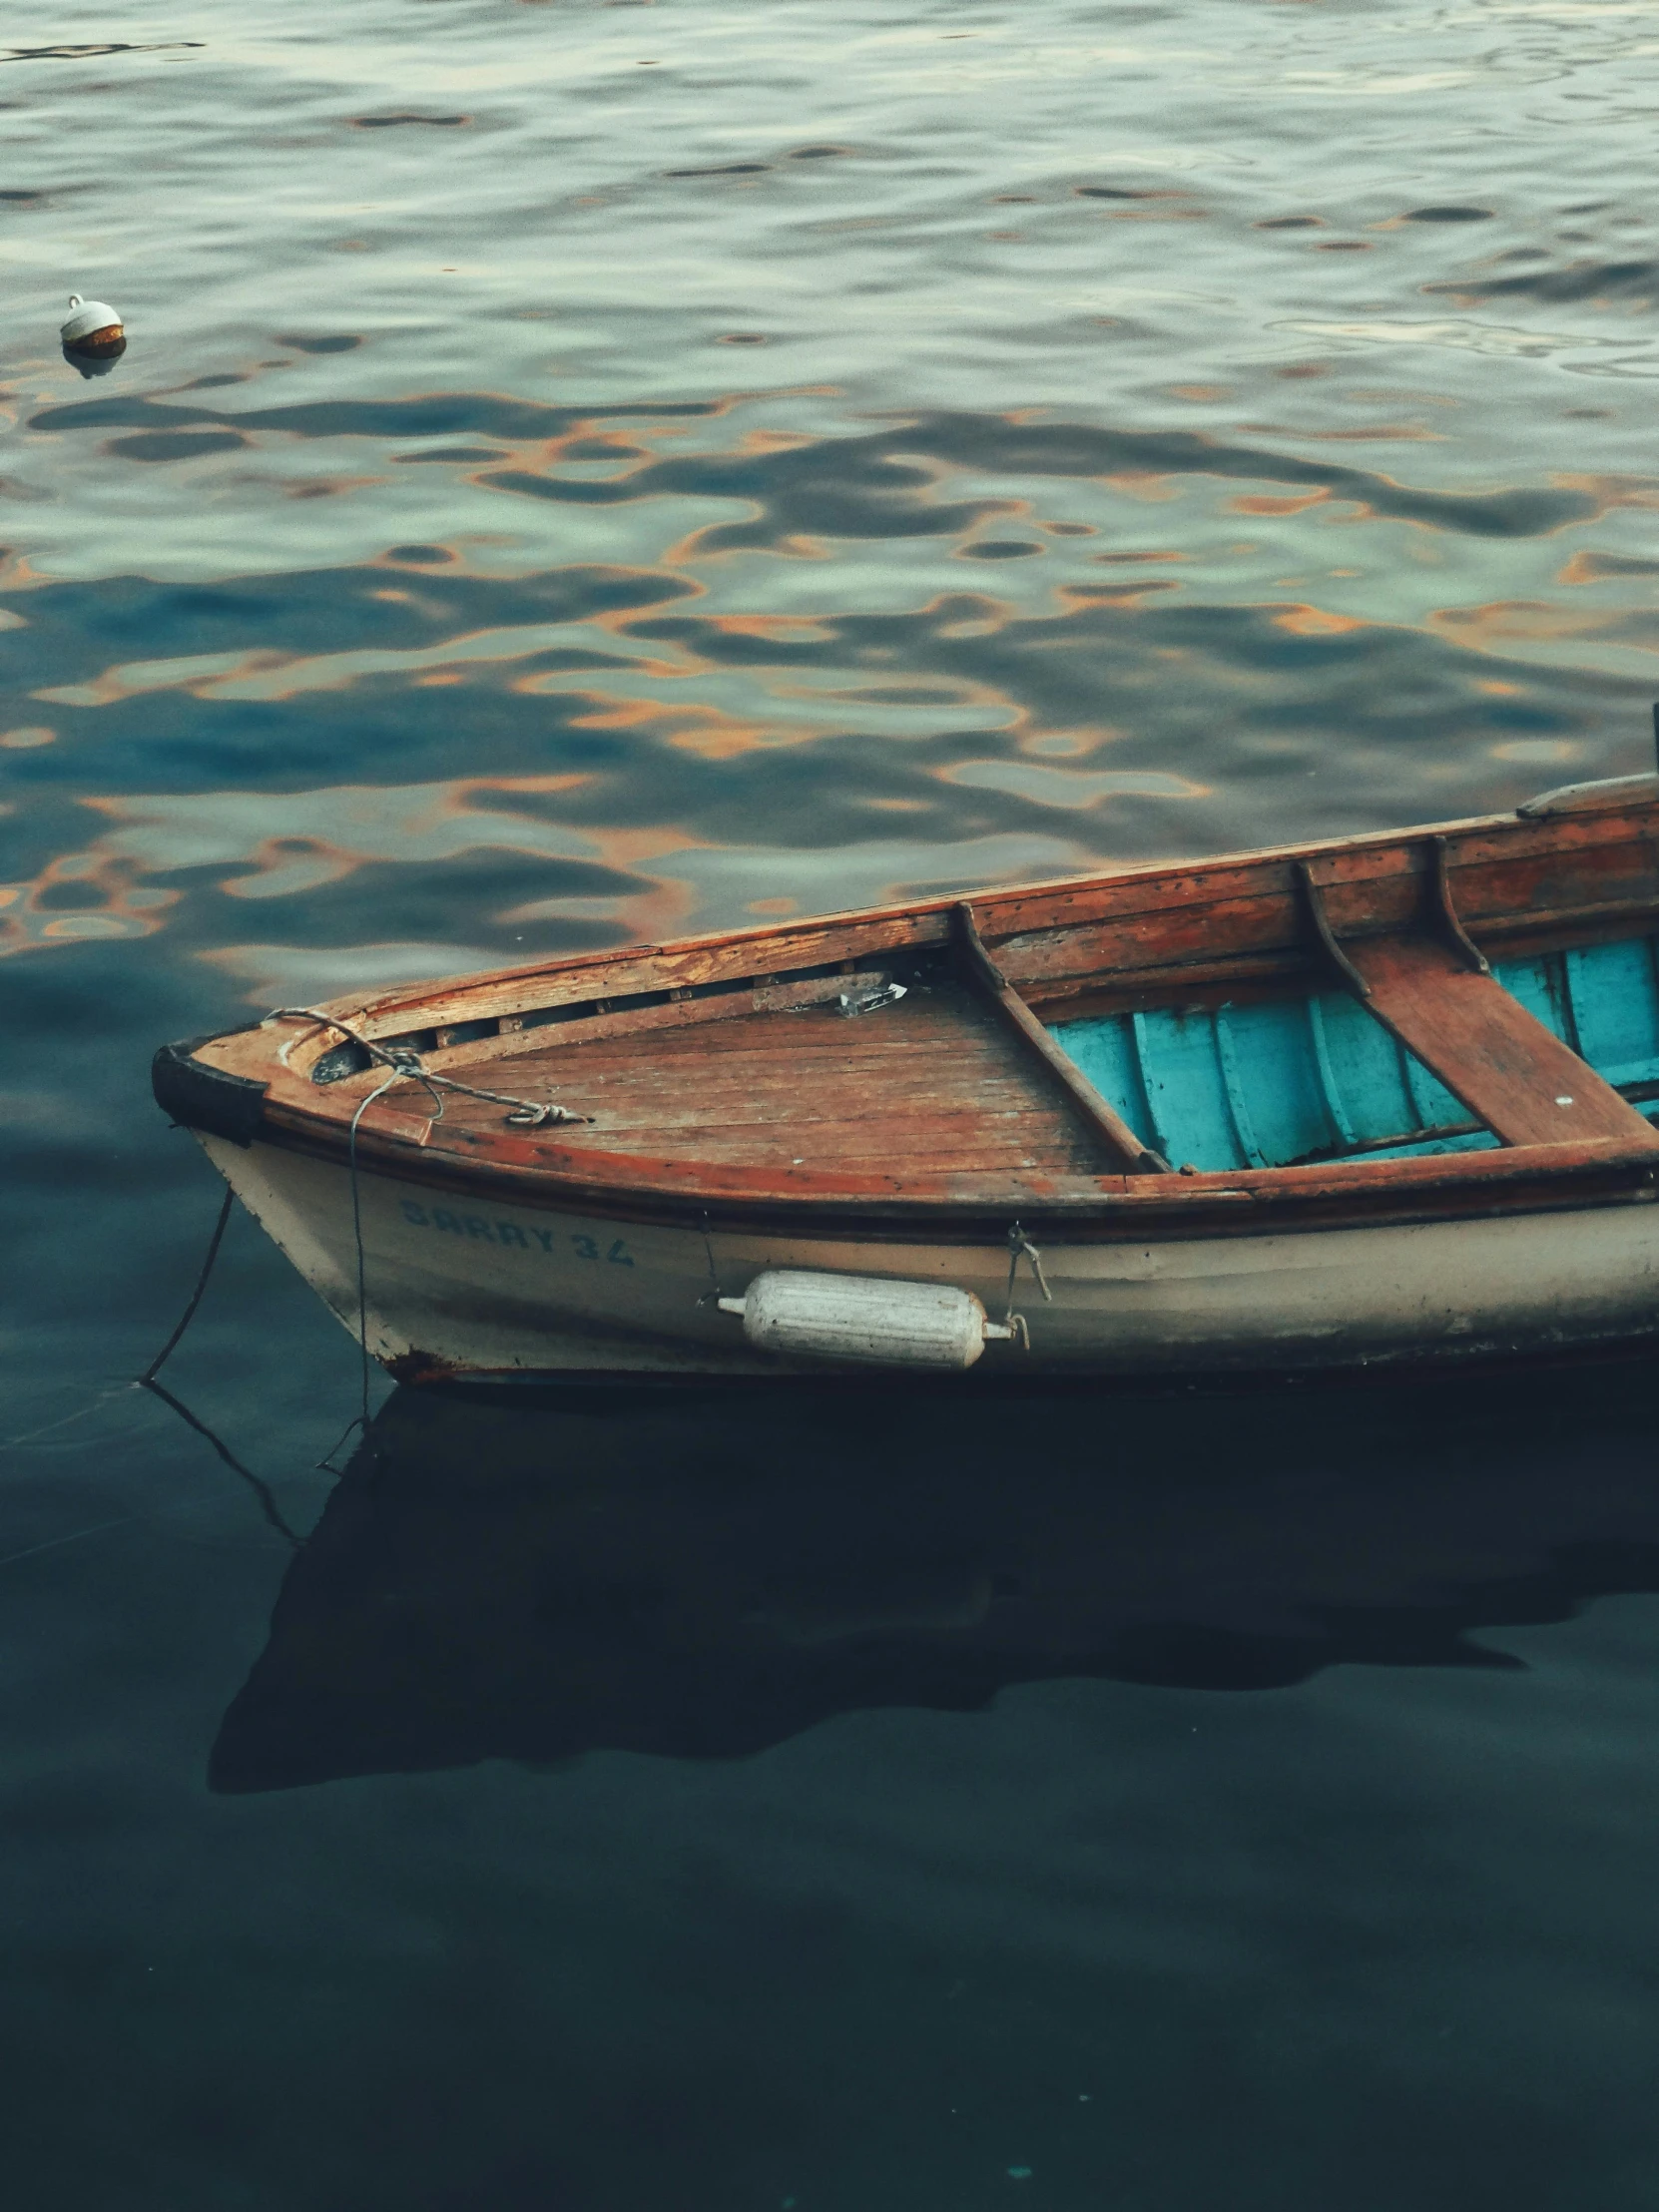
<point x="403" y="1065"/>
<point x="406" y="1065"/>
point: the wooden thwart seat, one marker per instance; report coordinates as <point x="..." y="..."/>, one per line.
<point x="1507" y="1067"/>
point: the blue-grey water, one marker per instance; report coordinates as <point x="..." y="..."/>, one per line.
<point x="582" y="471"/>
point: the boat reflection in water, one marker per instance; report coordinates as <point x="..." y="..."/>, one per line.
<point x="700" y="1575"/>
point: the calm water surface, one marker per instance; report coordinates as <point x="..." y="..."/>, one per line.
<point x="584" y="471"/>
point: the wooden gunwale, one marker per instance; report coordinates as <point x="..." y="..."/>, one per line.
<point x="1268" y="975"/>
<point x="1046" y="935"/>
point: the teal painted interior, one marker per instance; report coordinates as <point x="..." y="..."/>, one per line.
<point x="1273" y="1083"/>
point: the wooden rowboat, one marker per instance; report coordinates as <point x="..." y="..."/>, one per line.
<point x="1375" y="1099"/>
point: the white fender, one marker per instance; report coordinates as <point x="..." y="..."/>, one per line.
<point x="863" y="1317"/>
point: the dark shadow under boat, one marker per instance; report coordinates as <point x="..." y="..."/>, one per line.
<point x="703" y="1576"/>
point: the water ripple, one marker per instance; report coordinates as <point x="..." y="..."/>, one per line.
<point x="1127" y="476"/>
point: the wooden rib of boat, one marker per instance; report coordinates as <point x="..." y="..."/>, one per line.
<point x="1385" y="1097"/>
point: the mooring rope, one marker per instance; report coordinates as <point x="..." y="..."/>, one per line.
<point x="260" y="1489"/>
<point x="361" y="1422"/>
<point x="403" y="1065"/>
<point x="188" y="1315"/>
<point x="147" y="1380"/>
<point x="403" y="1061"/>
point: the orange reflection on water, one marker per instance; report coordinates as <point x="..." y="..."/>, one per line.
<point x="1304" y="621"/>
<point x="1265" y="503"/>
<point x="1077" y="597"/>
<point x="1506" y="622"/>
<point x="1612" y="488"/>
<point x="1589" y="567"/>
<point x="713" y="735"/>
<point x="79" y="897"/>
<point x="1152" y="486"/>
<point x="273" y="678"/>
<point x="691" y="724"/>
<point x="777" y="628"/>
<point x="329" y="487"/>
<point x="282" y="845"/>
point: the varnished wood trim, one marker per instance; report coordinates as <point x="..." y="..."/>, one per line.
<point x="1145" y="889"/>
<point x="1314" y="899"/>
<point x="1445" y="909"/>
<point x="1124" y="1147"/>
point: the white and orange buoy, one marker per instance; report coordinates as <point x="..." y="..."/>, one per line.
<point x="93" y="328"/>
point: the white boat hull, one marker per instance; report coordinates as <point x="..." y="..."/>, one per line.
<point x="484" y="1287"/>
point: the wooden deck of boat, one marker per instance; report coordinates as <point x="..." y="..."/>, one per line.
<point x="931" y="1081"/>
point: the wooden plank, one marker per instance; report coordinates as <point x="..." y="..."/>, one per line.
<point x="1229" y="911"/>
<point x="627" y="1021"/>
<point x="1264" y="921"/>
<point x="911" y="1129"/>
<point x="706" y="1095"/>
<point x="779" y="1095"/>
<point x="1523" y="1081"/>
<point x="1121" y="1140"/>
<point x="967" y="1154"/>
<point x="949" y="1096"/>
<point x="651" y="969"/>
<point x="905" y="1040"/>
<point x="924" y="1084"/>
<point x="1376" y="876"/>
